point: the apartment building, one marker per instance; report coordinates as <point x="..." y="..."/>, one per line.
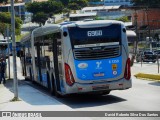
<point x="117" y="2"/>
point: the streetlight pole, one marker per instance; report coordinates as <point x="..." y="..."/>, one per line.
<point x="8" y="52"/>
<point x="136" y="24"/>
<point x="15" y="82"/>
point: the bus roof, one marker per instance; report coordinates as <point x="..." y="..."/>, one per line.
<point x="51" y="28"/>
<point x="47" y="29"/>
<point x="93" y="23"/>
<point x="44" y="30"/>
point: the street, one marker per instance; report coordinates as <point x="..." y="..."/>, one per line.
<point x="143" y="96"/>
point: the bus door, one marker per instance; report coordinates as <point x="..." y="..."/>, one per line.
<point x="57" y="66"/>
<point x="38" y="62"/>
<point x="43" y="63"/>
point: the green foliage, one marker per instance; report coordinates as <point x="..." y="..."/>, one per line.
<point x="46" y="7"/>
<point x="33" y="7"/>
<point x="77" y="4"/>
<point x="42" y="10"/>
<point x="40" y="18"/>
<point x="73" y="6"/>
<point x="5" y="20"/>
<point x="123" y="19"/>
<point x="94" y="0"/>
<point x="65" y="2"/>
<point x="66" y="10"/>
<point x="97" y="18"/>
<point x="4" y="1"/>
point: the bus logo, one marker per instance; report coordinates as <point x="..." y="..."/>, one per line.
<point x="114" y="66"/>
<point x="98" y="65"/>
<point x="114" y="72"/>
<point x="83" y="65"/>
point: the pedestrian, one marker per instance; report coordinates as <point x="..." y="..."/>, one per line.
<point x="2" y="70"/>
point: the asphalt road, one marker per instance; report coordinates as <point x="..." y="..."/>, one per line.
<point x="143" y="96"/>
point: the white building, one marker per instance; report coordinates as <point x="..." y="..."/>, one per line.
<point x="117" y="2"/>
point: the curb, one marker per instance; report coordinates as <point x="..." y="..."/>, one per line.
<point x="148" y="76"/>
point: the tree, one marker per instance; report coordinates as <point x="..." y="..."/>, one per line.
<point x="45" y="9"/>
<point x="149" y="3"/>
<point x="82" y="3"/>
<point x="65" y="2"/>
<point x="123" y="19"/>
<point x="77" y="4"/>
<point x="4" y="1"/>
<point x="73" y="6"/>
<point x="40" y="18"/>
<point x="5" y="20"/>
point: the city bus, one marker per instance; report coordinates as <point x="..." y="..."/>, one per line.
<point x="84" y="57"/>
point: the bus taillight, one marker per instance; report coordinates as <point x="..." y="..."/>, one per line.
<point x="127" y="73"/>
<point x="69" y="76"/>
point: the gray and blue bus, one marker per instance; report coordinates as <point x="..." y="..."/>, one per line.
<point x="78" y="57"/>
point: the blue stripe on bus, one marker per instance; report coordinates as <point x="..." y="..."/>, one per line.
<point x="98" y="69"/>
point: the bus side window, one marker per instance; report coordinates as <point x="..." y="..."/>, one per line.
<point x="59" y="48"/>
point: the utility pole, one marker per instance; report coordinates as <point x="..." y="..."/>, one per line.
<point x="149" y="32"/>
<point x="8" y="52"/>
<point x="15" y="82"/>
<point x="136" y="24"/>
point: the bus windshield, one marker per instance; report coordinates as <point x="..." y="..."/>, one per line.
<point x="92" y="37"/>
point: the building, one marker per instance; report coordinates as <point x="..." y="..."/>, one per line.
<point x="108" y="12"/>
<point x="148" y="22"/>
<point x="19" y="8"/>
<point x="82" y="16"/>
<point x="117" y="2"/>
<point x="150" y="17"/>
<point x="100" y="9"/>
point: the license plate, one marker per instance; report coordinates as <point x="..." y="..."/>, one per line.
<point x="101" y="87"/>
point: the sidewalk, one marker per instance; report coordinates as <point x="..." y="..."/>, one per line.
<point x="146" y="70"/>
<point x="31" y="99"/>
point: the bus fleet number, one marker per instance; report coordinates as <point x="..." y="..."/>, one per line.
<point x="95" y="33"/>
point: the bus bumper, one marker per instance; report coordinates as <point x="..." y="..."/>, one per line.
<point x="79" y="88"/>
